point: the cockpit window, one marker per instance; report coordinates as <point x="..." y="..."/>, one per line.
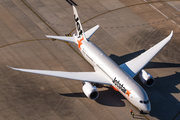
<point x="145" y="102"/>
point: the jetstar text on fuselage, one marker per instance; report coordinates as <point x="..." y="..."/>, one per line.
<point x="119" y="85"/>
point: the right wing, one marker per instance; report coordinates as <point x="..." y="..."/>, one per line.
<point x="81" y="76"/>
<point x="133" y="66"/>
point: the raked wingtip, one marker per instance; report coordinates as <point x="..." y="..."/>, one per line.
<point x="171" y="33"/>
<point x="9" y="66"/>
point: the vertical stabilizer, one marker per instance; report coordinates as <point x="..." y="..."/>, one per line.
<point x="80" y="32"/>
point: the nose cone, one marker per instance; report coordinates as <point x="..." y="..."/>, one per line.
<point x="147" y="108"/>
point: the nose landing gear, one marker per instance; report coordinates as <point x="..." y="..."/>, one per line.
<point x="141" y="112"/>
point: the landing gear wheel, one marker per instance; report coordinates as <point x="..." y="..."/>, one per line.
<point x="141" y="112"/>
<point x="96" y="84"/>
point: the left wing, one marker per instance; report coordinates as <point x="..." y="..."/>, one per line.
<point x="81" y="76"/>
<point x="63" y="38"/>
<point x="133" y="66"/>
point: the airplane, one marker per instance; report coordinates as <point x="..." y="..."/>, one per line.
<point x="119" y="77"/>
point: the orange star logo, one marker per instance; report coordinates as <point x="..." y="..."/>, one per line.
<point x="128" y="93"/>
<point x="80" y="42"/>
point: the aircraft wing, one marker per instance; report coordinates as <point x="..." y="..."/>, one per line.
<point x="63" y="38"/>
<point x="81" y="76"/>
<point x="133" y="66"/>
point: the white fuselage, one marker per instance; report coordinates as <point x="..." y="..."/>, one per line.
<point x="125" y="84"/>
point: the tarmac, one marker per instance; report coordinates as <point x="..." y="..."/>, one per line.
<point x="127" y="28"/>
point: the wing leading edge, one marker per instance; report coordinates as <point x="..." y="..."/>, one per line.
<point x="81" y="76"/>
<point x="133" y="66"/>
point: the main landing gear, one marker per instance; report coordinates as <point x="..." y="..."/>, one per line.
<point x="94" y="84"/>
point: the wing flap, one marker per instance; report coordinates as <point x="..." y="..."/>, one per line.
<point x="81" y="76"/>
<point x="133" y="66"/>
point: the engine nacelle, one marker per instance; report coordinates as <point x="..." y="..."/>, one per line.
<point x="90" y="91"/>
<point x="146" y="78"/>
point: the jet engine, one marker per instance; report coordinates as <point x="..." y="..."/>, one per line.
<point x="90" y="91"/>
<point x="146" y="78"/>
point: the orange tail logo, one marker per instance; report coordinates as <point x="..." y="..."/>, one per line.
<point x="80" y="42"/>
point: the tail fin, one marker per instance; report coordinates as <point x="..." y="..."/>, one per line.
<point x="80" y="32"/>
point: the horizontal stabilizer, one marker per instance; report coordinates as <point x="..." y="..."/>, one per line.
<point x="91" y="31"/>
<point x="63" y="38"/>
<point x="81" y="76"/>
<point x="133" y="66"/>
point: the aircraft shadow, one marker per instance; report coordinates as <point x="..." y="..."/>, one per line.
<point x="163" y="95"/>
<point x="122" y="59"/>
<point x="107" y="97"/>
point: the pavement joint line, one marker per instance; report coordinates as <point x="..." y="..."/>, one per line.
<point x="173" y="6"/>
<point x="172" y="22"/>
<point x="38" y="16"/>
<point x="87" y="21"/>
<point x="162" y="12"/>
<point x="121" y="26"/>
<point x="23" y="1"/>
<point x="125" y="7"/>
<point x="29" y="6"/>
